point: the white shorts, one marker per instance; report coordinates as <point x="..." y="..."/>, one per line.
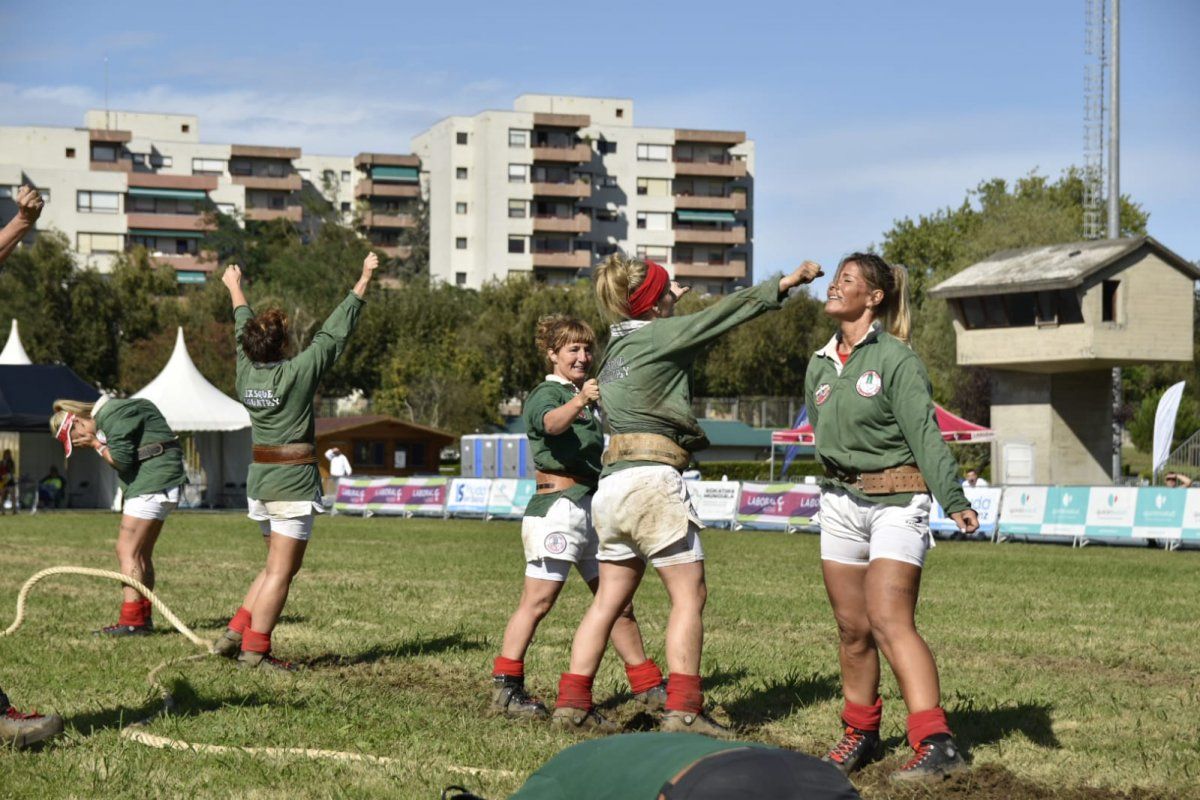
<point x="564" y="534"/>
<point x="555" y="569"/>
<point x="290" y="518"/>
<point x="646" y="513"/>
<point x="857" y="531"/>
<point x="152" y="506"/>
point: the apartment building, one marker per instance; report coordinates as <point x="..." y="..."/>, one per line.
<point x="127" y="179"/>
<point x="560" y="182"/>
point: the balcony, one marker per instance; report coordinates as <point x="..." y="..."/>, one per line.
<point x="577" y="154"/>
<point x="393" y="250"/>
<point x="287" y="183"/>
<point x="376" y="219"/>
<point x="153" y="180"/>
<point x="581" y="259"/>
<point x="544" y="120"/>
<point x="187" y="223"/>
<point x="580" y="190"/>
<point x="204" y="261"/>
<point x="257" y="151"/>
<point x="734" y="202"/>
<point x="292" y="213"/>
<point x="710" y="236"/>
<point x="369" y="188"/>
<point x="366" y="160"/>
<point x="734" y="168"/>
<point x="580" y="223"/>
<point x="731" y="269"/>
<point x="691" y="135"/>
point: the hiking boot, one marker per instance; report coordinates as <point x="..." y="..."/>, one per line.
<point x="510" y="699"/>
<point x="126" y="630"/>
<point x="264" y="661"/>
<point x="856" y="749"/>
<point x="653" y="699"/>
<point x="936" y="757"/>
<point x="576" y="719"/>
<point x="687" y="722"/>
<point x="22" y="730"/>
<point x="228" y="644"/>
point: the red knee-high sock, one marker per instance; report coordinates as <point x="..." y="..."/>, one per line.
<point x="147" y="609"/>
<point x="643" y="677"/>
<point x="508" y="667"/>
<point x="684" y="694"/>
<point x="924" y="724"/>
<point x="255" y="642"/>
<point x="865" y="718"/>
<point x="240" y="621"/>
<point x="132" y="614"/>
<point x="575" y="691"/>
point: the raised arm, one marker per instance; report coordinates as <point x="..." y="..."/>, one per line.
<point x="29" y="208"/>
<point x="232" y="278"/>
<point x="328" y="342"/>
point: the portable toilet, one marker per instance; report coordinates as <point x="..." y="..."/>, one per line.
<point x="516" y="460"/>
<point x="489" y="446"/>
<point x="472" y="456"/>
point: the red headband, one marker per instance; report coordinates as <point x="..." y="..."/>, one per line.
<point x="64" y="433"/>
<point x="647" y="293"/>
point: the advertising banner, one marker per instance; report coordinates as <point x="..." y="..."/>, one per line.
<point x="774" y="506"/>
<point x="1159" y="513"/>
<point x="508" y="498"/>
<point x="406" y="496"/>
<point x="1023" y="510"/>
<point x="1110" y="512"/>
<point x="1066" y="511"/>
<point x="1191" y="516"/>
<point x="985" y="501"/>
<point x="468" y="497"/>
<point x="715" y="501"/>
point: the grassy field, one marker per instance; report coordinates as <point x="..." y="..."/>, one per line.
<point x="1067" y="674"/>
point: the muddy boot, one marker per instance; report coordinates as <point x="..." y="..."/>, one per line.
<point x="125" y="630"/>
<point x="936" y="758"/>
<point x="687" y="722"/>
<point x="228" y="644"/>
<point x="576" y="720"/>
<point x="510" y="699"/>
<point x="264" y="662"/>
<point x="856" y="749"/>
<point x="653" y="699"/>
<point x="23" y="730"/>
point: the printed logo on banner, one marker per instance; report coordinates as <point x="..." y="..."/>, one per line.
<point x="1023" y="512"/>
<point x="556" y="544"/>
<point x="1110" y="512"/>
<point x="777" y="505"/>
<point x="822" y="393"/>
<point x="1159" y="513"/>
<point x="869" y="384"/>
<point x="1191" y="515"/>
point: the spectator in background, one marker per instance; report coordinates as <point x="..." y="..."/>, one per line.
<point x="1176" y="480"/>
<point x="8" y="482"/>
<point x="50" y="488"/>
<point x="973" y="481"/>
<point x="339" y="467"/>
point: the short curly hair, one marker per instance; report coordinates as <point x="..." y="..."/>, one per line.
<point x="265" y="337"/>
<point x="559" y="330"/>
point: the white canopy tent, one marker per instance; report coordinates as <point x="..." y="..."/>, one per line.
<point x="220" y="425"/>
<point x="14" y="352"/>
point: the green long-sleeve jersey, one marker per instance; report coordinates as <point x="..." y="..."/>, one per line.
<point x="279" y="398"/>
<point x="576" y="451"/>
<point x="876" y="412"/>
<point x="125" y="426"/>
<point x="645" y="375"/>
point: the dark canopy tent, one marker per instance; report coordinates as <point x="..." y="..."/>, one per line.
<point x="28" y="392"/>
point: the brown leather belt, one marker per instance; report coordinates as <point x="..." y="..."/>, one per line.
<point x="905" y="478"/>
<point x="645" y="447"/>
<point x="551" y="482"/>
<point x="285" y="455"/>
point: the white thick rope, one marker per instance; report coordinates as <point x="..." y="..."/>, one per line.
<point x="136" y="731"/>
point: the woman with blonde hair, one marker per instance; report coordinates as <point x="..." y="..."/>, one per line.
<point x="132" y="437"/>
<point x="284" y="484"/>
<point x="563" y="424"/>
<point x="869" y="402"/>
<point x="641" y="509"/>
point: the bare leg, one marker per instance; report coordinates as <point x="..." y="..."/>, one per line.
<point x="846" y="586"/>
<point x="252" y="594"/>
<point x="283" y="562"/>
<point x="135" y="548"/>
<point x="891" y="593"/>
<point x="618" y="581"/>
<point x="685" y="627"/>
<point x="537" y="598"/>
<point x="626" y="635"/>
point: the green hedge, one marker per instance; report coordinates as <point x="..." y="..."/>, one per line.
<point x="758" y="470"/>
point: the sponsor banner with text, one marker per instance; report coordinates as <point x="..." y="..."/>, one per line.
<point x="778" y="505"/>
<point x="468" y="497"/>
<point x="509" y="496"/>
<point x="985" y="501"/>
<point x="716" y="502"/>
<point x="407" y="496"/>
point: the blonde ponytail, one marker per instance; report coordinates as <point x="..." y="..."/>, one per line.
<point x="64" y="407"/>
<point x="893" y="311"/>
<point x="615" y="280"/>
<point x="896" y="320"/>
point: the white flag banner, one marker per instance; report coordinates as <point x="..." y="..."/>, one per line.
<point x="1164" y="423"/>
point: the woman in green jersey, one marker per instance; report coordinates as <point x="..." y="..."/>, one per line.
<point x="563" y="425"/>
<point x="284" y="484"/>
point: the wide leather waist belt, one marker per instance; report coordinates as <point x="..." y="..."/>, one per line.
<point x="287" y="455"/>
<point x="905" y="478"/>
<point x="155" y="449"/>
<point x="550" y="482"/>
<point x="645" y="447"/>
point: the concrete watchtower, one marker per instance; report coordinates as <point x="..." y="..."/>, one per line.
<point x="1051" y="323"/>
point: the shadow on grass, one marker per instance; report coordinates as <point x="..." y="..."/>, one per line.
<point x="408" y="649"/>
<point x="776" y="699"/>
<point x="221" y="622"/>
<point x="980" y="726"/>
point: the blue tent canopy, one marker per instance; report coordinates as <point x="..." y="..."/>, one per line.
<point x="28" y="392"/>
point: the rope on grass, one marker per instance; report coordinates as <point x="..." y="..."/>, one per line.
<point x="136" y="732"/>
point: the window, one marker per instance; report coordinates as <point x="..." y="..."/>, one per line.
<point x="160" y="160"/>
<point x="460" y="138"/>
<point x="516" y="244"/>
<point x="518" y="173"/>
<point x="654" y="253"/>
<point x="345" y="208"/>
<point x="208" y="166"/>
<point x="606" y="249"/>
<point x="605" y="147"/>
<point x="460" y="279"/>
<point x="184" y="128"/>
<point x="104" y="152"/>
<point x="653" y="187"/>
<point x="606" y="215"/>
<point x="620" y="113"/>
<point x="460" y="243"/>
<point x="70" y="152"/>
<point x="460" y="173"/>
<point x="654" y="152"/>
<point x="97" y="202"/>
<point x="517" y="209"/>
<point x="517" y="138"/>
<point x="226" y="208"/>
<point x="139" y="159"/>
<point x="607" y="182"/>
<point x="346" y="175"/>
<point x="275" y="169"/>
<point x="305" y="174"/>
<point x="460" y="208"/>
<point x="98" y="242"/>
<point x="650" y="221"/>
<point x="1108" y="301"/>
<point x="369" y="454"/>
<point x="239" y="167"/>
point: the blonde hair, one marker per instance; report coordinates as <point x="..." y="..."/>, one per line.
<point x="615" y="280"/>
<point x="893" y="312"/>
<point x="559" y="330"/>
<point x="64" y="407"/>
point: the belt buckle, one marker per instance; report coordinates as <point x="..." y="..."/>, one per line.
<point x="155" y="449"/>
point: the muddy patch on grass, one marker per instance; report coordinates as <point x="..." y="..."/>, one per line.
<point x="992" y="782"/>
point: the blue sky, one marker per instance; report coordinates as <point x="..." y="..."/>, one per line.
<point x="863" y="112"/>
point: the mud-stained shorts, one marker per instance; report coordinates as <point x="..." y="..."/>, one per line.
<point x="646" y="513"/>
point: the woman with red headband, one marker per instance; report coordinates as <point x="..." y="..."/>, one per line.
<point x="133" y="437"/>
<point x="641" y="509"/>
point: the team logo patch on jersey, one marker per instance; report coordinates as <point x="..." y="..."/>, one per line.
<point x="556" y="543"/>
<point x="869" y="384"/>
<point x="822" y="393"/>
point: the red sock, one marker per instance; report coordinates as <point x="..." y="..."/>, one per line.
<point x="643" y="677"/>
<point x="924" y="724"/>
<point x="865" y="718"/>
<point x="240" y="621"/>
<point x="575" y="691"/>
<point x="147" y="608"/>
<point x="508" y="667"/>
<point x="255" y="642"/>
<point x="132" y="614"/>
<point x="684" y="694"/>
